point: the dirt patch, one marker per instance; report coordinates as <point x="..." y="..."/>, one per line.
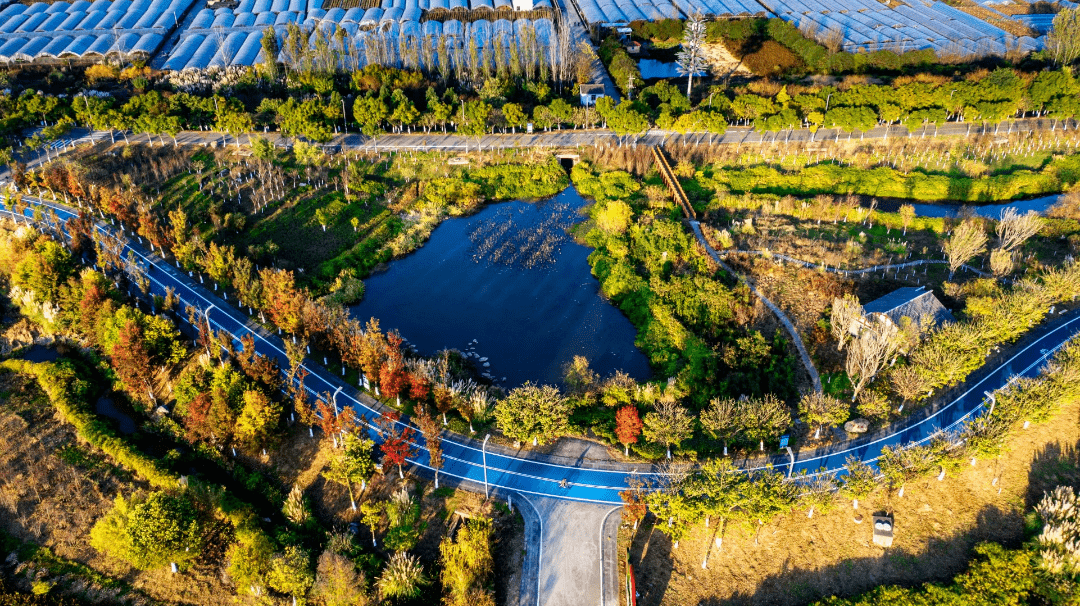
<point x="797" y="559"/>
<point x="722" y="63"/>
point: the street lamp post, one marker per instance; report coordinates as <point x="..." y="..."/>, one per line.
<point x="206" y="318"/>
<point x="335" y="401"/>
<point x="483" y="452"/>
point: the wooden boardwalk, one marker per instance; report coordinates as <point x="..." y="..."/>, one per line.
<point x="673" y="182"/>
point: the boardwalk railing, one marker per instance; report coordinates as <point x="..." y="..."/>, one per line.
<point x="673" y="183"/>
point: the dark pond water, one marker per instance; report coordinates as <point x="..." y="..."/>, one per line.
<point x="106" y="407"/>
<point x="510" y="284"/>
<point x="41" y="353"/>
<point x="952" y="209"/>
<point x="651" y="68"/>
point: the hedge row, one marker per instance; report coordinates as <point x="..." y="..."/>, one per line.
<point x="67" y="391"/>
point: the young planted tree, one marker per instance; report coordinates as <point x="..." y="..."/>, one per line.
<point x="870" y="352"/>
<point x="534" y="412"/>
<point x="628" y="426"/>
<point x="258" y="419"/>
<point x="722" y="420"/>
<point x="764" y="419"/>
<point x="397" y="444"/>
<point x="846" y="313"/>
<point x="718" y="487"/>
<point x="766" y="495"/>
<point x="822" y="410"/>
<point x="634" y="503"/>
<point x="668" y="424"/>
<point x="967" y="241"/>
<point x="858" y="481"/>
<point x="130" y="359"/>
<point x="907" y="215"/>
<point x="352" y="464"/>
<point x="907" y="382"/>
<point x="429" y="428"/>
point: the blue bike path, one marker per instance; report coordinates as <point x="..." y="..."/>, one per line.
<point x="469" y="463"/>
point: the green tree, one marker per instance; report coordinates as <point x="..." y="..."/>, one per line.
<point x="1063" y="41"/>
<point x="722" y="420"/>
<point x="249" y="560"/>
<point x="668" y="424"/>
<point x="290" y="572"/>
<point x="467" y="563"/>
<point x="475" y="116"/>
<point x="532" y="412"/>
<point x="352" y="464"/>
<point x="513" y="114"/>
<point x="405" y="112"/>
<point x="271" y="49"/>
<point x="822" y="410"/>
<point x="858" y="481"/>
<point x="370" y="111"/>
<point x="258" y="419"/>
<point x="150" y="532"/>
<point x="764" y="419"/>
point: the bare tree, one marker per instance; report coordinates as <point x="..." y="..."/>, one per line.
<point x="845" y="313"/>
<point x="870" y="352"/>
<point x="968" y="240"/>
<point x="907" y="382"/>
<point x="1001" y="262"/>
<point x="1013" y="229"/>
<point x="1063" y="41"/>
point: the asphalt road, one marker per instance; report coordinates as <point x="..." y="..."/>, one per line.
<point x="508" y="471"/>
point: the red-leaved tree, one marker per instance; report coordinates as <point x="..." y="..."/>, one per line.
<point x="419" y="387"/>
<point x="397" y="446"/>
<point x="393" y="378"/>
<point x="628" y="426"/>
<point x="131" y="361"/>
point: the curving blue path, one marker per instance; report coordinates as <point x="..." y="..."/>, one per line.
<point x="509" y="471"/>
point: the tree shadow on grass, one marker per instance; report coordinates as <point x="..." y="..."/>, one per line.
<point x="1054" y="465"/>
<point x="939" y="560"/>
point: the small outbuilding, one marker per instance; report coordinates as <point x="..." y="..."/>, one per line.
<point x="590" y="93"/>
<point x="914" y="303"/>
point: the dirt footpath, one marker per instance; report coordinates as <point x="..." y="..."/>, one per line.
<point x="796" y="559"/>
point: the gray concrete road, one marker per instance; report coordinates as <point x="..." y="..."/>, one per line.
<point x="571" y="557"/>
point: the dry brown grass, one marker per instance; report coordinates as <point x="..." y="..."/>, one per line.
<point x="799" y="559"/>
<point x="46" y="500"/>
